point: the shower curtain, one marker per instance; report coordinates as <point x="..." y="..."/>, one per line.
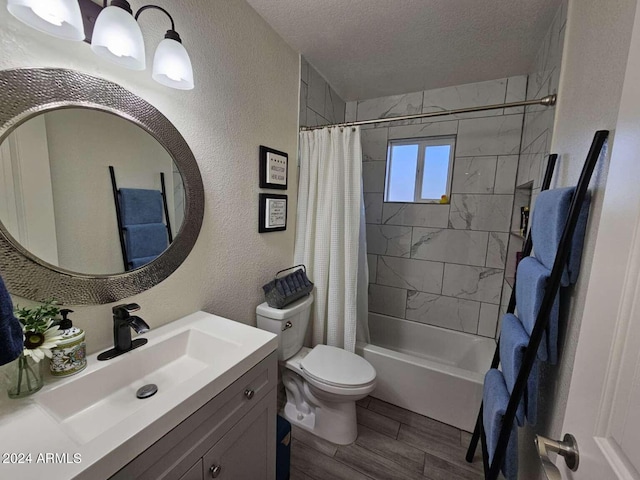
<point x="330" y="235"/>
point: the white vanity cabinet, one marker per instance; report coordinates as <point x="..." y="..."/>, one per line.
<point x="233" y="436"/>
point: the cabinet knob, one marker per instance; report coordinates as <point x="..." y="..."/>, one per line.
<point x="249" y="393"/>
<point x="215" y="470"/>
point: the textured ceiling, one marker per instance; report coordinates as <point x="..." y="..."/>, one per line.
<point x="372" y="48"/>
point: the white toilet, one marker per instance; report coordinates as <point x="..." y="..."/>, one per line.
<point x="322" y="383"/>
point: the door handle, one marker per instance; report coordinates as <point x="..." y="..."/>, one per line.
<point x="568" y="448"/>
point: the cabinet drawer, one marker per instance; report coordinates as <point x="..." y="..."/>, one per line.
<point x="247" y="451"/>
<point x="171" y="456"/>
<point x="194" y="473"/>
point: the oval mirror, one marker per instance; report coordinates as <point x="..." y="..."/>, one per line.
<point x="89" y="192"/>
<point x="100" y="196"/>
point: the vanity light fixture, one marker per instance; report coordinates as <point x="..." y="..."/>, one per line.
<point x="118" y="38"/>
<point x="60" y="18"/>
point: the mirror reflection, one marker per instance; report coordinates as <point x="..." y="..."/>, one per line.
<point x="57" y="176"/>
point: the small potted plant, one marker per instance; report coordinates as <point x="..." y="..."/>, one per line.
<point x="41" y="334"/>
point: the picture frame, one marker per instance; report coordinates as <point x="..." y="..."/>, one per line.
<point x="274" y="168"/>
<point x="272" y="212"/>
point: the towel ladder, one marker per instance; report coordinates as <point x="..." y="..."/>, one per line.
<point x="114" y="188"/>
<point x="491" y="471"/>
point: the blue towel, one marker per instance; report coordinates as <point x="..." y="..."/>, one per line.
<point x="146" y="240"/>
<point x="11" y="337"/>
<point x="139" y="262"/>
<point x="531" y="281"/>
<point x="513" y="341"/>
<point x="140" y="206"/>
<point x="495" y="399"/>
<point x="547" y="224"/>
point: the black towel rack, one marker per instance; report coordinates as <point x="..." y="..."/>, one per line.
<point x="491" y="471"/>
<point x="116" y="199"/>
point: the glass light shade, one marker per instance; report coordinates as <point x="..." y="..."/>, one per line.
<point x="59" y="18"/>
<point x="117" y="38"/>
<point x="172" y="65"/>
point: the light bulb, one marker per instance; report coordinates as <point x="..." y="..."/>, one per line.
<point x="50" y="15"/>
<point x="172" y="65"/>
<point x="117" y="38"/>
<point x="59" y="18"/>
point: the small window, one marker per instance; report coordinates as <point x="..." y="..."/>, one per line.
<point x="419" y="170"/>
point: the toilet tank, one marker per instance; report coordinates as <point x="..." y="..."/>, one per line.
<point x="289" y="324"/>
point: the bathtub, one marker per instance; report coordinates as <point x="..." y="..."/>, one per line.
<point x="429" y="370"/>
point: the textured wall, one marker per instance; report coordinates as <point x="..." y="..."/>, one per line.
<point x="596" y="45"/>
<point x="444" y="264"/>
<point x="247" y="82"/>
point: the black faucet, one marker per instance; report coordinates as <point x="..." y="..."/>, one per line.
<point x="123" y="322"/>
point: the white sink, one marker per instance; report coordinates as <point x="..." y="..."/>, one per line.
<point x="91" y="404"/>
<point x="96" y="414"/>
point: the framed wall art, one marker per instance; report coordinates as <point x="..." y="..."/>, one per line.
<point x="273" y="168"/>
<point x="272" y="213"/>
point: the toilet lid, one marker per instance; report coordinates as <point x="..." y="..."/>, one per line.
<point x="335" y="366"/>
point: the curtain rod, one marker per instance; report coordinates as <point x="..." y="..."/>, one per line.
<point x="548" y="101"/>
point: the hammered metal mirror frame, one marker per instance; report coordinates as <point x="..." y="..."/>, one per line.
<point x="25" y="93"/>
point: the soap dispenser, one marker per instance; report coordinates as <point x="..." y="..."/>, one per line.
<point x="70" y="355"/>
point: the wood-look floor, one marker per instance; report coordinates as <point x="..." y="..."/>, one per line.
<point x="392" y="444"/>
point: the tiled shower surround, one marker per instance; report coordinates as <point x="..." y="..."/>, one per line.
<point x="444" y="264"/>
<point x="319" y="103"/>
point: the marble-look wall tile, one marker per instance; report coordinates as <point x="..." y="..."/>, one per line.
<point x="505" y="295"/>
<point x="334" y="106"/>
<point x="474" y="174"/>
<point x="549" y="55"/>
<point x="374" y="144"/>
<point x="481" y="212"/>
<point x="447" y="312"/>
<point x="472" y="283"/>
<point x="489" y="136"/>
<point x="535" y="171"/>
<point x="488" y="320"/>
<point x="317" y="91"/>
<point x="373" y="207"/>
<point x="429" y="129"/>
<point x="506" y="171"/>
<point x="389" y="240"/>
<point x="387" y="300"/>
<point x="350" y="111"/>
<point x="468" y="95"/>
<point x="418" y="275"/>
<point x="373" y="177"/>
<point x="313" y="119"/>
<point x="497" y="250"/>
<point x="524" y="167"/>
<point x="452" y="246"/>
<point x="516" y="92"/>
<point x="563" y="12"/>
<point x="304" y="70"/>
<point x="303" y="104"/>
<point x="385" y="107"/>
<point x="503" y="312"/>
<point x="372" y="263"/>
<point x="536" y="124"/>
<point x="416" y="214"/>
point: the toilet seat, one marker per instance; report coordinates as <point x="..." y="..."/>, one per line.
<point x="337" y="371"/>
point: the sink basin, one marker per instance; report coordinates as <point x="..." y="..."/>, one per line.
<point x="92" y="404"/>
<point x="96" y="414"/>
